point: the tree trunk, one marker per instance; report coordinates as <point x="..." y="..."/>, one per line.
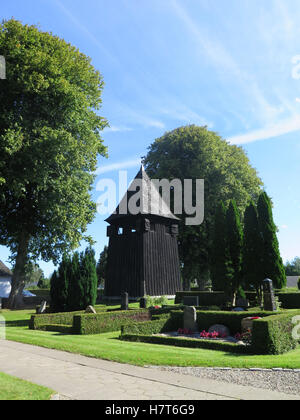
<point x="15" y="300"/>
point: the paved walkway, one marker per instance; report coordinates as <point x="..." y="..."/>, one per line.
<point x="82" y="378"/>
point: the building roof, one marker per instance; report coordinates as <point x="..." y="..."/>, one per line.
<point x="292" y="281"/>
<point x="152" y="202"/>
<point x="5" y="271"/>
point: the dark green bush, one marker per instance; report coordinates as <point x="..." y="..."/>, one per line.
<point x="289" y="300"/>
<point x="42" y="293"/>
<point x="273" y="335"/>
<point x="205" y="298"/>
<point x="85" y="324"/>
<point x="185" y="342"/>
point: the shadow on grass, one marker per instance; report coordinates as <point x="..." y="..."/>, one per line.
<point x="17" y="323"/>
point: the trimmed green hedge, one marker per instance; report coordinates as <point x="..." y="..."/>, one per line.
<point x="289" y="300"/>
<point x="159" y="325"/>
<point x="205" y="298"/>
<point x="232" y="320"/>
<point x="38" y="321"/>
<point x="85" y="324"/>
<point x="273" y="335"/>
<point x="205" y="319"/>
<point x="186" y="342"/>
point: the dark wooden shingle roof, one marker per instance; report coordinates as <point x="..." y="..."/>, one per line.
<point x="151" y="200"/>
<point x="4" y="271"/>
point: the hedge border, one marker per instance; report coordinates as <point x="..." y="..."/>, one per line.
<point x="62" y="318"/>
<point x="87" y="324"/>
<point x="273" y="335"/>
<point x="288" y="300"/>
<point x="186" y="342"/>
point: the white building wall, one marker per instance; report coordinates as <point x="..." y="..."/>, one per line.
<point x="5" y="286"/>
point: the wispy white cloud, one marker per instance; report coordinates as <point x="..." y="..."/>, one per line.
<point x="115" y="129"/>
<point x="118" y="166"/>
<point x="84" y="30"/>
<point x="184" y="114"/>
<point x="228" y="67"/>
<point x="286" y="126"/>
<point x="213" y="50"/>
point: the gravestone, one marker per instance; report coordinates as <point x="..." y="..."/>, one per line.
<point x="124" y="301"/>
<point x="242" y="303"/>
<point x="221" y="329"/>
<point x="191" y="301"/>
<point x="143" y="303"/>
<point x="90" y="310"/>
<point x="43" y="307"/>
<point x="269" y="296"/>
<point x="247" y="324"/>
<point x="190" y="318"/>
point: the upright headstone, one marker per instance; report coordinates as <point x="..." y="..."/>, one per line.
<point x="125" y="301"/>
<point x="190" y="318"/>
<point x="269" y="296"/>
<point x="90" y="310"/>
<point x="42" y="308"/>
<point x="242" y="303"/>
<point x="143" y="303"/>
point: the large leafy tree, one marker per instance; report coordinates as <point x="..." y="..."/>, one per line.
<point x="292" y="268"/>
<point x="271" y="263"/>
<point x="193" y="152"/>
<point x="49" y="142"/>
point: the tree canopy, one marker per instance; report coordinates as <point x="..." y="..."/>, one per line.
<point x="292" y="268"/>
<point x="193" y="152"/>
<point x="49" y="142"/>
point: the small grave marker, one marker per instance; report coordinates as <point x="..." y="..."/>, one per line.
<point x="124" y="301"/>
<point x="269" y="296"/>
<point x="190" y="318"/>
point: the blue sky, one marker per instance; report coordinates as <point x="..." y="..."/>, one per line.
<point x="232" y="66"/>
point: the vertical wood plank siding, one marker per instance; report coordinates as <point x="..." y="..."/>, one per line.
<point x="150" y="256"/>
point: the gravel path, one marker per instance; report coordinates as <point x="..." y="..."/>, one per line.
<point x="286" y="381"/>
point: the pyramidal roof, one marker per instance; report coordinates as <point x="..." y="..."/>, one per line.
<point x="4" y="271"/>
<point x="151" y="202"/>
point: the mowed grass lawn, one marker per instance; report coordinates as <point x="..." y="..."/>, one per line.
<point x="12" y="388"/>
<point x="107" y="346"/>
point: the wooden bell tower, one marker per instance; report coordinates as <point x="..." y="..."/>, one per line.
<point x="143" y="251"/>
